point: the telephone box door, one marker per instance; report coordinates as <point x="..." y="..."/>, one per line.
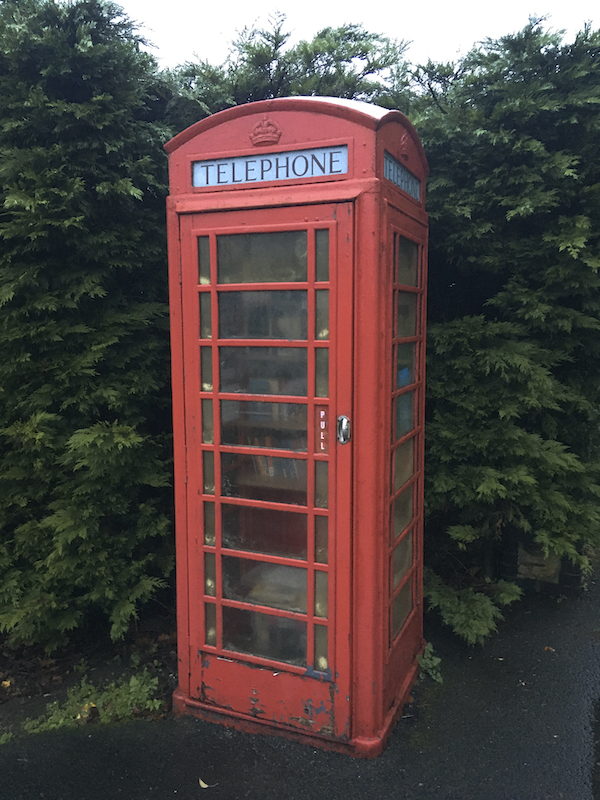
<point x="267" y="338"/>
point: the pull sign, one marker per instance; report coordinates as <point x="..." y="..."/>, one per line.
<point x="344" y="431"/>
<point x="321" y="429"/>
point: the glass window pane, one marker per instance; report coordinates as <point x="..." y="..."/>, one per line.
<point x="321" y="659"/>
<point x="255" y="424"/>
<point x="262" y="257"/>
<point x="210" y="624"/>
<point x="321" y="584"/>
<point x="406" y="324"/>
<point x="402" y="560"/>
<point x="321" y="484"/>
<point x="405" y="414"/>
<point x="322" y="255"/>
<point x="210" y="574"/>
<point x="264" y="530"/>
<point x="405" y="365"/>
<point x="209" y="524"/>
<point x="322" y="373"/>
<point x="206" y="377"/>
<point x="322" y="314"/>
<point x="203" y="260"/>
<point x="407" y="259"/>
<point x="207" y="422"/>
<point x="321" y="540"/>
<point x="404" y="458"/>
<point x="401" y="607"/>
<point x="205" y="316"/>
<point x="277" y="480"/>
<point x="278" y="638"/>
<point x="208" y="463"/>
<point x="264" y="370"/>
<point x="403" y="511"/>
<point x="263" y="315"/>
<point x="273" y="585"/>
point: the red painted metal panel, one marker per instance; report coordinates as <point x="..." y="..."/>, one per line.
<point x="371" y="413"/>
<point x="272" y="695"/>
<point x="180" y="461"/>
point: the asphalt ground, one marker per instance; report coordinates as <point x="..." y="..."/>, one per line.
<point x="513" y="720"/>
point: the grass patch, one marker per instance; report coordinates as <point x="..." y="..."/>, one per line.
<point x="128" y="697"/>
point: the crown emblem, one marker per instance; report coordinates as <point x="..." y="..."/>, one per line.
<point x="265" y="132"/>
<point x="404" y="146"/>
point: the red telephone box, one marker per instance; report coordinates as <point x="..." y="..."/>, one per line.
<point x="297" y="251"/>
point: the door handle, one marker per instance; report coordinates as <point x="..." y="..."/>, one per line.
<point x="344" y="429"/>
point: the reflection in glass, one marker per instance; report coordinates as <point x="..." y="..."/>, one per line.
<point x="273" y="585"/>
<point x="263" y="315"/>
<point x="262" y="257"/>
<point x="407" y="314"/>
<point x="210" y="574"/>
<point x="321" y="659"/>
<point x="277" y="638"/>
<point x="403" y="511"/>
<point x="404" y="458"/>
<point x="407" y="255"/>
<point x="402" y="560"/>
<point x="207" y="422"/>
<point x="206" y="378"/>
<point x="208" y="463"/>
<point x="322" y="372"/>
<point x="322" y="255"/>
<point x="210" y="624"/>
<point x="264" y="530"/>
<point x="321" y="540"/>
<point x="205" y="316"/>
<point x="405" y="365"/>
<point x="257" y="424"/>
<point x="203" y="260"/>
<point x="321" y="583"/>
<point x="264" y="370"/>
<point x="321" y="484"/>
<point x="401" y="607"/>
<point x="405" y="414"/>
<point x="209" y="524"/>
<point x="322" y="314"/>
<point x="278" y="480"/>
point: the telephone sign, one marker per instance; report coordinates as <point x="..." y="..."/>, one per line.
<point x="323" y="161"/>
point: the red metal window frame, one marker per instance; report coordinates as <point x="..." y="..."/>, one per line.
<point x="312" y="402"/>
<point x="414" y="483"/>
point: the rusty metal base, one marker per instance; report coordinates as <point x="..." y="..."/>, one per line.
<point x="358" y="747"/>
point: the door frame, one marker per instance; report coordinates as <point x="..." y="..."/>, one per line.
<point x="338" y="217"/>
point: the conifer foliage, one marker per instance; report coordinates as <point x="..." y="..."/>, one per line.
<point x="511" y="136"/>
<point x="84" y="418"/>
<point x="345" y="62"/>
<point x="513" y="385"/>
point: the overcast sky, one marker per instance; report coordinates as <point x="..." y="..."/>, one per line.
<point x="184" y="29"/>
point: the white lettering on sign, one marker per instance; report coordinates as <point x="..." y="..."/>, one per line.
<point x="397" y="173"/>
<point x="321" y="429"/>
<point x="316" y="163"/>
